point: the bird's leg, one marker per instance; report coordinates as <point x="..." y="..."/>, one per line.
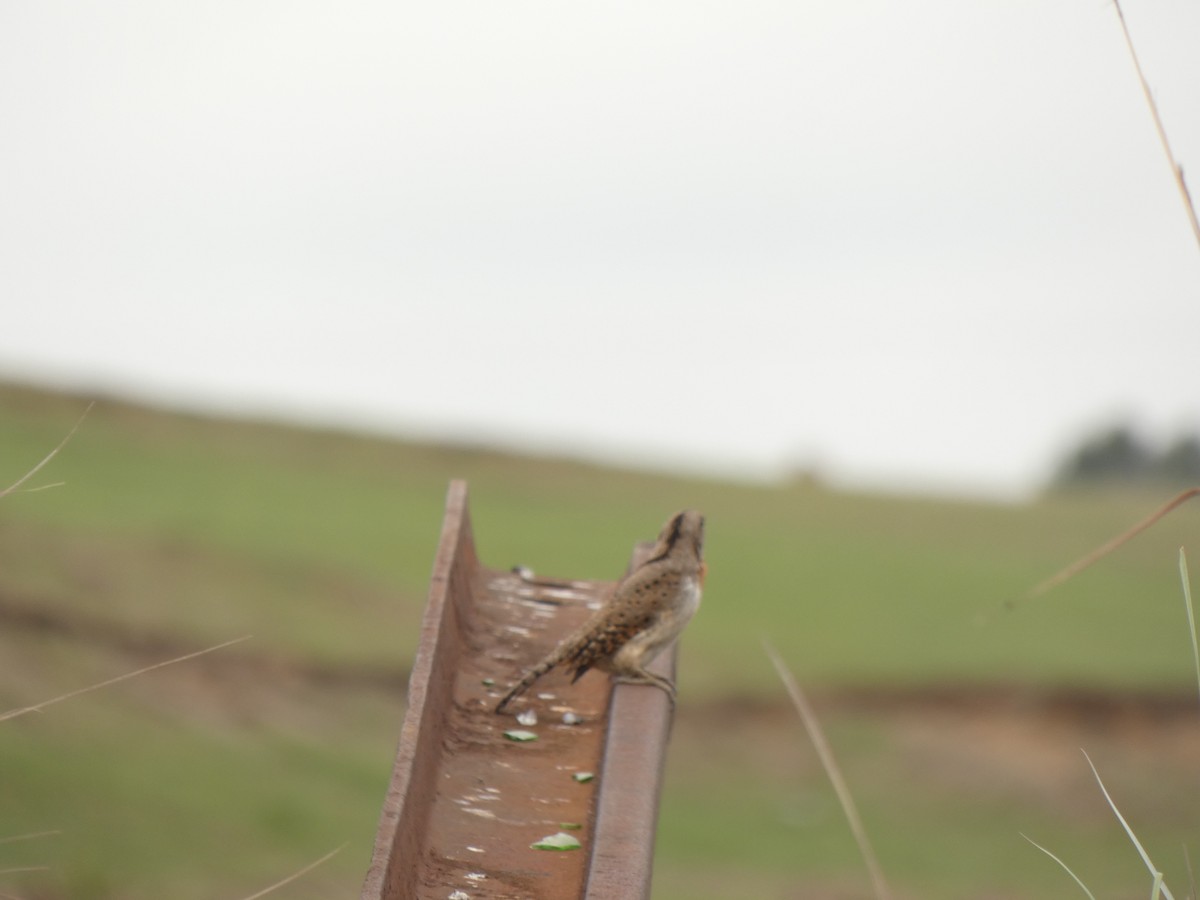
<point x="641" y="676"/>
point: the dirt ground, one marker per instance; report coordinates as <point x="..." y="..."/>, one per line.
<point x="1026" y="739"/>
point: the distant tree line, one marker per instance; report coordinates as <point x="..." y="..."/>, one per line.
<point x="1120" y="455"/>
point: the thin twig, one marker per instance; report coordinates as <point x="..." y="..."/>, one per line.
<point x="817" y="736"/>
<point x="1079" y="565"/>
<point x="45" y="459"/>
<point x="1176" y="168"/>
<point x="13" y="713"/>
<point x="296" y="875"/>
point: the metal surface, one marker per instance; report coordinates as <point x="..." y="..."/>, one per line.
<point x="465" y="803"/>
<point x="635" y="749"/>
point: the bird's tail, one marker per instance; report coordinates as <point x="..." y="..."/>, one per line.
<point x="527" y="681"/>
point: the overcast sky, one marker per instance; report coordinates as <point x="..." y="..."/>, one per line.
<point x="918" y="246"/>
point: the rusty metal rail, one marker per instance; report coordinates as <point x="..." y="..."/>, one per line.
<point x="465" y="802"/>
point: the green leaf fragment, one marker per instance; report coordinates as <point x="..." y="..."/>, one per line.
<point x="570" y="826"/>
<point x="560" y="841"/>
<point x="583" y="777"/>
<point x="517" y="734"/>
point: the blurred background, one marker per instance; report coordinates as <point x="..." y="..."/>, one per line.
<point x="918" y="247"/>
<point x="903" y="297"/>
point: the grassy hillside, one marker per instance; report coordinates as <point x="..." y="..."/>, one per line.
<point x="215" y="778"/>
<point x="851" y="588"/>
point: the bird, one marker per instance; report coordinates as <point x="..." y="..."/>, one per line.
<point x="649" y="608"/>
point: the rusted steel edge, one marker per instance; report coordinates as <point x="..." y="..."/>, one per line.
<point x="635" y="753"/>
<point x="639" y="724"/>
<point x="409" y="799"/>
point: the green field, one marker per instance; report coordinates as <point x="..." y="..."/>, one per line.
<point x="217" y="777"/>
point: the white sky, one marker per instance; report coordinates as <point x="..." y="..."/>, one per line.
<point x="921" y="246"/>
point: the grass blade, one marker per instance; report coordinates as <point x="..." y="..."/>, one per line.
<point x="817" y="736"/>
<point x="1153" y="869"/>
<point x="1066" y="868"/>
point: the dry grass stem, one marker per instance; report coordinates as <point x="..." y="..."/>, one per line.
<point x="28" y="837"/>
<point x="13" y="713"/>
<point x="16" y="485"/>
<point x="295" y="875"/>
<point x="12" y="839"/>
<point x="1176" y="168"/>
<point x="1191" y="613"/>
<point x="817" y="736"/>
<point x="1079" y="565"/>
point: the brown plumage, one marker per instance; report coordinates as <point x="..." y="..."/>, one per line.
<point x="648" y="610"/>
